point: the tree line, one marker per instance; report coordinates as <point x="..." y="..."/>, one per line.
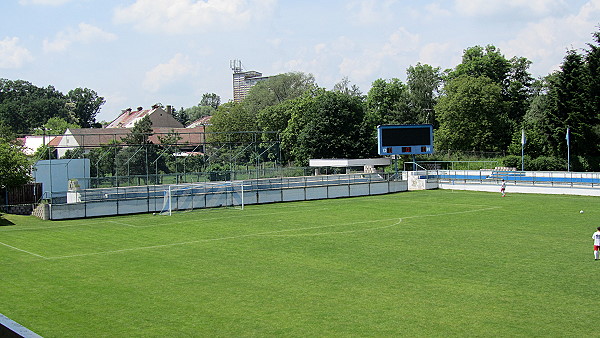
<point x="483" y="104"/>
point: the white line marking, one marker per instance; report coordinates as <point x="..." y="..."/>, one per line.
<point x="25" y="251"/>
<point x="260" y="234"/>
<point x="121" y="223"/>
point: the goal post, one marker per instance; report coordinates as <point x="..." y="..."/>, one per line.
<point x="186" y="197"/>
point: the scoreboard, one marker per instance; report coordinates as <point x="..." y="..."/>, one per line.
<point x="406" y="139"/>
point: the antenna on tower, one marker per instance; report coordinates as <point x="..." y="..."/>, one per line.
<point x="236" y="66"/>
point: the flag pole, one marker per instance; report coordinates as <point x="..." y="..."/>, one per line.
<point x="523" y="140"/>
<point x="568" y="150"/>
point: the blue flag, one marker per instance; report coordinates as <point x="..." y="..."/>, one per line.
<point x="567" y="137"/>
<point x="523" y="138"/>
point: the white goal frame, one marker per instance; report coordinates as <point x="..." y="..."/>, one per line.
<point x="181" y="197"/>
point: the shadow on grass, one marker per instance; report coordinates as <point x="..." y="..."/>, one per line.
<point x="5" y="222"/>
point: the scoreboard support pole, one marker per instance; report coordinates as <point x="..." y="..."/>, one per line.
<point x="414" y="161"/>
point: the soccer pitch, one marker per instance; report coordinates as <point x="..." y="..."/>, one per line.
<point x="426" y="263"/>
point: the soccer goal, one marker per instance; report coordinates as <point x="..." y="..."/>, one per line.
<point x="186" y="197"/>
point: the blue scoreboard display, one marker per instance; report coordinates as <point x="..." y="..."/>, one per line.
<point x="406" y="139"/>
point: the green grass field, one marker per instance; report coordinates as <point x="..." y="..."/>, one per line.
<point x="428" y="263"/>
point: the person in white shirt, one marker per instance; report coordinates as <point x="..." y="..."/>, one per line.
<point x="596" y="237"/>
<point x="503" y="188"/>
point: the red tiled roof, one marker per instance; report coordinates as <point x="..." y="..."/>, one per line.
<point x="89" y="137"/>
<point x="127" y="117"/>
<point x="203" y="121"/>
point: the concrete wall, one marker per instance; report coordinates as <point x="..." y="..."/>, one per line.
<point x="210" y="200"/>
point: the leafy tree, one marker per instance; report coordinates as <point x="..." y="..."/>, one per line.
<point x="277" y="89"/>
<point x="25" y="107"/>
<point x="139" y="154"/>
<point x="387" y="102"/>
<point x="85" y="106"/>
<point x="196" y="112"/>
<point x="140" y="133"/>
<point x="55" y="126"/>
<point x="181" y="116"/>
<point x="536" y="121"/>
<point x="210" y="100"/>
<point x="102" y="159"/>
<point x="324" y="126"/>
<point x="485" y="61"/>
<point x="423" y="83"/>
<point x="345" y="87"/>
<point x="592" y="59"/>
<point x="569" y="107"/>
<point x="44" y="152"/>
<point x="230" y="121"/>
<point x="468" y="116"/>
<point x="518" y="93"/>
<point x="74" y="153"/>
<point x="276" y="118"/>
<point x="14" y="165"/>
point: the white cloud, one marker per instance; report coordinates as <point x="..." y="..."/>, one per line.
<point x="184" y="16"/>
<point x="438" y="54"/>
<point x="12" y="55"/>
<point x="371" y="11"/>
<point x="43" y="2"/>
<point x="435" y="10"/>
<point x="85" y="33"/>
<point x="534" y="8"/>
<point x="401" y="42"/>
<point x="545" y="42"/>
<point x="167" y="73"/>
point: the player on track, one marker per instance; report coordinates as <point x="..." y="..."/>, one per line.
<point x="503" y="188"/>
<point x="596" y="237"/>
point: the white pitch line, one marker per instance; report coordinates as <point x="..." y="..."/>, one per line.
<point x="122" y="223"/>
<point x="261" y="234"/>
<point x="25" y="251"/>
<point x="337" y="232"/>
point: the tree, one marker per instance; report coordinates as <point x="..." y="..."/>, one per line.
<point x="44" y="152"/>
<point x="229" y="121"/>
<point x="139" y="154"/>
<point x="25" y="107"/>
<point x="196" y="112"/>
<point x="140" y="133"/>
<point x="276" y="118"/>
<point x="210" y="100"/>
<point x="468" y="116"/>
<point x="478" y="61"/>
<point x="14" y="165"/>
<point x="569" y="107"/>
<point x="102" y="160"/>
<point x="325" y="126"/>
<point x="55" y="126"/>
<point x="181" y="116"/>
<point x="277" y="89"/>
<point x="592" y="59"/>
<point x="423" y="82"/>
<point x="344" y="87"/>
<point x="85" y="106"/>
<point x="387" y="102"/>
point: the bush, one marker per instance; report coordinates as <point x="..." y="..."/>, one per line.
<point x="512" y="161"/>
<point x="547" y="163"/>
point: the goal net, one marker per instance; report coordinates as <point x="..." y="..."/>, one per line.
<point x="186" y="197"/>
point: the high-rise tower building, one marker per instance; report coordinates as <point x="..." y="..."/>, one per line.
<point x="243" y="80"/>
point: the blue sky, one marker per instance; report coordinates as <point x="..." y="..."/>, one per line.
<point x="140" y="52"/>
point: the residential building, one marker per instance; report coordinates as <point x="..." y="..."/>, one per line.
<point x="159" y="117"/>
<point x="243" y="80"/>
